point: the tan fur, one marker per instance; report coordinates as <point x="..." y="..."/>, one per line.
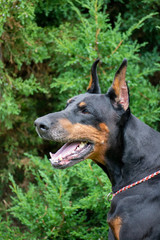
<point x="80" y="132"/>
<point x="82" y="104"/>
<point x="69" y="100"/>
<point x="115" y="225"/>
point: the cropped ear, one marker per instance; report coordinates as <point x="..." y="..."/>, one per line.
<point x="119" y="87"/>
<point x="94" y="83"/>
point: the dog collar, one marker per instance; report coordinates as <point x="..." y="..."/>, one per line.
<point x="133" y="184"/>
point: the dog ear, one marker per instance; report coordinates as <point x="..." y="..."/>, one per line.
<point x="119" y="89"/>
<point x="94" y="83"/>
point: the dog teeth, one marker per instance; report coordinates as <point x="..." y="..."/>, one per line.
<point x="55" y="160"/>
<point x="52" y="159"/>
<point x="51" y="154"/>
<point x="82" y="145"/>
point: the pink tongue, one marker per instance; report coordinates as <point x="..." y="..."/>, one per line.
<point x="66" y="149"/>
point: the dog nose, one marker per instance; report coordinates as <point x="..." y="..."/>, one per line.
<point x="41" y="124"/>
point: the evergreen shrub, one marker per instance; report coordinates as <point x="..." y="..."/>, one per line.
<point x="68" y="204"/>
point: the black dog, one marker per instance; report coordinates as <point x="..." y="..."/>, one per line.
<point x="102" y="128"/>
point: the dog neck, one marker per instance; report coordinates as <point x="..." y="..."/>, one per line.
<point x="132" y="153"/>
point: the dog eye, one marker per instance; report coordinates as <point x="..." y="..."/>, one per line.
<point x="84" y="111"/>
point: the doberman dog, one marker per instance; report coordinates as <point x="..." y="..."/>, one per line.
<point x="101" y="127"/>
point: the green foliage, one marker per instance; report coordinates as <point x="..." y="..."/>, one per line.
<point x="46" y="52"/>
<point x="69" y="204"/>
<point x="7" y="231"/>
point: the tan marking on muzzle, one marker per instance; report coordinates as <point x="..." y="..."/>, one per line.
<point x="80" y="132"/>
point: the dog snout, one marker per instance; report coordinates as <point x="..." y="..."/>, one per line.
<point x="42" y="124"/>
<point x="48" y="127"/>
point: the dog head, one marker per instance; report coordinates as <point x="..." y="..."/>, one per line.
<point x="90" y="124"/>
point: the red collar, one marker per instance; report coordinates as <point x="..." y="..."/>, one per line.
<point x="134" y="184"/>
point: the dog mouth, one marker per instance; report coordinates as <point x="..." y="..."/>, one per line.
<point x="70" y="154"/>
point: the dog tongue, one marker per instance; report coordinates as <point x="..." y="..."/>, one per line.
<point x="66" y="149"/>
